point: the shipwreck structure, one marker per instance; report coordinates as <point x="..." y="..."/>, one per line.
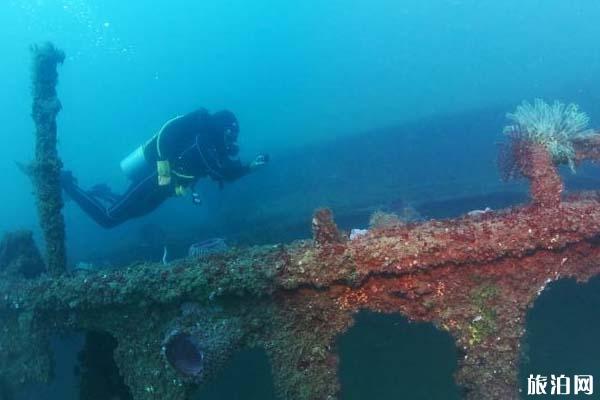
<point x="175" y="326"/>
<point x="46" y="167"/>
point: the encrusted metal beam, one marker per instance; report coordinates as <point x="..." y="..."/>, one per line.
<point x="45" y="169"/>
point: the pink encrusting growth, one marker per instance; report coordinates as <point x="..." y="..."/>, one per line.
<point x="546" y="185"/>
<point x="477" y="276"/>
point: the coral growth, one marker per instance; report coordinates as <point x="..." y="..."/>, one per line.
<point x="325" y="231"/>
<point x="536" y="164"/>
<point x="381" y="219"/>
<point x="554" y="126"/>
<point x="207" y="247"/>
<point x="19" y="256"/>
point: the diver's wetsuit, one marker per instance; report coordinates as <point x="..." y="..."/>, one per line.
<point x="194" y="147"/>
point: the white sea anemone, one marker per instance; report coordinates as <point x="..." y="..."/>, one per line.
<point x="552" y="125"/>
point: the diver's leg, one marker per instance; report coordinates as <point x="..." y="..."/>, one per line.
<point x="103" y="192"/>
<point x="89" y="204"/>
<point x="141" y="198"/>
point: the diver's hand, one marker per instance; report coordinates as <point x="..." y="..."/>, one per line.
<point x="260" y="161"/>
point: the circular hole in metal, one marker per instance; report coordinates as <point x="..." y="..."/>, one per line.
<point x="184" y="353"/>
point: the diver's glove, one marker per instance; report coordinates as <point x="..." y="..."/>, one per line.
<point x="260" y="161"/>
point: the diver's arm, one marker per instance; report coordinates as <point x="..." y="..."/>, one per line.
<point x="234" y="169"/>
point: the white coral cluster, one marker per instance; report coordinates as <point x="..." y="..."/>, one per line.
<point x="552" y="125"/>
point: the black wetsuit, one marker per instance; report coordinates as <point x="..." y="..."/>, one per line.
<point x="194" y="147"/>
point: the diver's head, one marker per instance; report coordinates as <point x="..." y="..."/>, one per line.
<point x="226" y="127"/>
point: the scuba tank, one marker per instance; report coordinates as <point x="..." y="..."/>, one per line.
<point x="135" y="166"/>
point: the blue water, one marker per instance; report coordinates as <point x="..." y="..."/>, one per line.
<point x="403" y="99"/>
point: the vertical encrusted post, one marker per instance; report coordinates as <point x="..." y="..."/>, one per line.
<point x="325" y="231"/>
<point x="546" y="186"/>
<point x="45" y="169"/>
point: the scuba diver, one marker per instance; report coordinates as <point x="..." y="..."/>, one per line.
<point x="186" y="148"/>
